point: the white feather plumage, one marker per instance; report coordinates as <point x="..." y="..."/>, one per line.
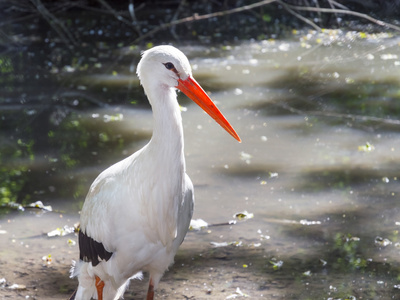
<point x="140" y="208"/>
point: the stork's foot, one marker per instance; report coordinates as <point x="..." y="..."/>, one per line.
<point x="150" y="292"/>
<point x="99" y="287"/>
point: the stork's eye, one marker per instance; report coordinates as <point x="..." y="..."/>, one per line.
<point x="169" y="66"/>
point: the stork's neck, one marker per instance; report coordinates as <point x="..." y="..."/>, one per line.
<point x="167" y="139"/>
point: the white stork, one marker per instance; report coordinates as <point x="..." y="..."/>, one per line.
<point x="137" y="212"/>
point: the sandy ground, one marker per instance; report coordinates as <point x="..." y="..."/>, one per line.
<point x="201" y="271"/>
<point x="241" y="269"/>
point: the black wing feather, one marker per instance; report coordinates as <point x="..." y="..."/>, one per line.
<point x="91" y="250"/>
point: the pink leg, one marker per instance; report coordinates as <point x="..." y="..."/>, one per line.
<point x="150" y="292"/>
<point x="99" y="287"/>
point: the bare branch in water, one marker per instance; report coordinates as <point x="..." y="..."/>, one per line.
<point x="118" y="16"/>
<point x="55" y="23"/>
<point x="292" y="9"/>
<point x="345" y="12"/>
<point x="196" y="17"/>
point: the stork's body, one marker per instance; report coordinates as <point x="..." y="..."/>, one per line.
<point x="137" y="212"/>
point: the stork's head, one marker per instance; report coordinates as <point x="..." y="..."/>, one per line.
<point x="165" y="67"/>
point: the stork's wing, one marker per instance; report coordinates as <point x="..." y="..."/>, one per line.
<point x="91" y="250"/>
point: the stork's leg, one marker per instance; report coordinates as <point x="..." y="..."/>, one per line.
<point x="150" y="292"/>
<point x="99" y="287"/>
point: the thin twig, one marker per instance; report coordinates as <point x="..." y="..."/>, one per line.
<point x="290" y="10"/>
<point x="336" y="16"/>
<point x="175" y="17"/>
<point x="16" y="20"/>
<point x="345" y="12"/>
<point x="196" y="17"/>
<point x="55" y="23"/>
<point x="334" y="3"/>
<point x="135" y="23"/>
<point x="318" y="6"/>
<point x="117" y="15"/>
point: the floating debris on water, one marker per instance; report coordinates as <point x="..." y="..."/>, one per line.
<point x="308" y="223"/>
<point x="225" y="244"/>
<point x="382" y="242"/>
<point x="39" y="204"/>
<point x="15" y="206"/>
<point x="238" y="293"/>
<point x="244" y="215"/>
<point x="389" y="56"/>
<point x="238" y="92"/>
<point x="113" y="118"/>
<point x="198" y="224"/>
<point x="61" y="231"/>
<point x="246" y="157"/>
<point x="273" y="174"/>
<point x="71" y="242"/>
<point x="18" y="287"/>
<point x="366" y="148"/>
<point x="47" y="259"/>
<point x="219" y="245"/>
<point x="276" y="265"/>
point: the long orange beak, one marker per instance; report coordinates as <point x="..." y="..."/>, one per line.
<point x="194" y="91"/>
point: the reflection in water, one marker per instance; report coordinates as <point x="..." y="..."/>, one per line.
<point x="318" y="165"/>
